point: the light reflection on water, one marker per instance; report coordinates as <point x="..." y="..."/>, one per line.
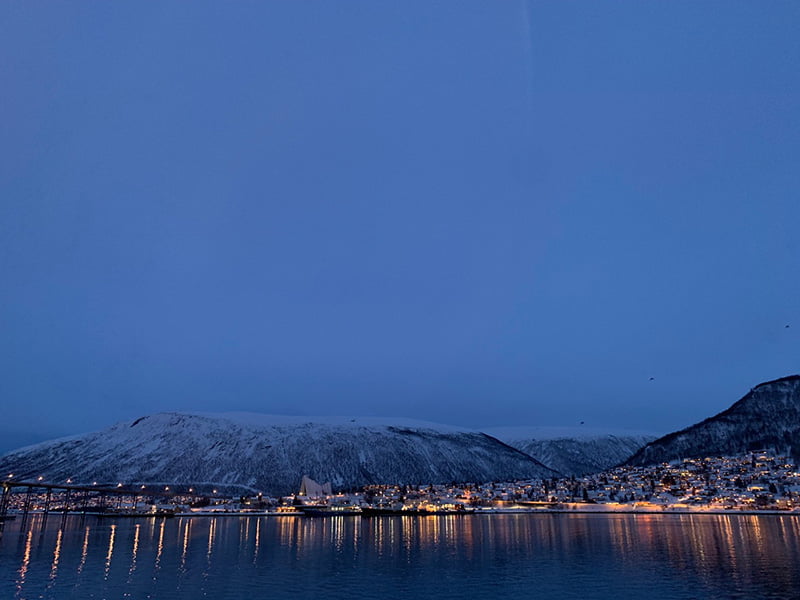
<point x="568" y="556"/>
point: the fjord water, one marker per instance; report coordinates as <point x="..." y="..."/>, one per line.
<point x="536" y="556"/>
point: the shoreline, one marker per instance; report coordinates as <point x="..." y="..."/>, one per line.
<point x="506" y="511"/>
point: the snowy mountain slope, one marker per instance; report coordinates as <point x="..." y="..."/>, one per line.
<point x="768" y="416"/>
<point x="271" y="454"/>
<point x="574" y="451"/>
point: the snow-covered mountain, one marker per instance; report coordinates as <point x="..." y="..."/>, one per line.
<point x="768" y="416"/>
<point x="251" y="452"/>
<point x="574" y="451"/>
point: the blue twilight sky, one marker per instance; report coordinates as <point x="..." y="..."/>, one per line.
<point x="479" y="213"/>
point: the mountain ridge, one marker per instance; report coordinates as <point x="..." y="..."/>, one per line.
<point x="191" y="448"/>
<point x="574" y="451"/>
<point x="768" y="416"/>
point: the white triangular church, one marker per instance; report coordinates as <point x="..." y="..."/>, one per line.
<point x="311" y="489"/>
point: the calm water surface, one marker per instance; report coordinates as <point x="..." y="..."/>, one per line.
<point x="532" y="556"/>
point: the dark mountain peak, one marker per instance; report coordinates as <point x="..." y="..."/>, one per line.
<point x="768" y="416"/>
<point x="792" y="379"/>
<point x="784" y="388"/>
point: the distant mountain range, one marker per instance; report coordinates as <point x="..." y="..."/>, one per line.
<point x="244" y="453"/>
<point x="767" y="417"/>
<point x="574" y="451"/>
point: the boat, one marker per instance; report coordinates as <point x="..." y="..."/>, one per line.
<point x="329" y="510"/>
<point x="128" y="513"/>
<point x="408" y="512"/>
<point x="401" y="510"/>
<point x="391" y="511"/>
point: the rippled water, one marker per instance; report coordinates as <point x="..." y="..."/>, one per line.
<point x="532" y="556"/>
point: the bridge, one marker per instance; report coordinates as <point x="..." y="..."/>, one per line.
<point x="68" y="498"/>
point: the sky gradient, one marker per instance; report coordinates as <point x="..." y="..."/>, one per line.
<point x="477" y="213"/>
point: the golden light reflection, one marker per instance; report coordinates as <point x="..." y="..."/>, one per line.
<point x="212" y="529"/>
<point x="377" y="535"/>
<point x="258" y="540"/>
<point x="408" y="535"/>
<point x="745" y="548"/>
<point x="708" y="545"/>
<point x="26" y="561"/>
<point x="338" y="532"/>
<point x="467" y="540"/>
<point x="795" y="523"/>
<point x="300" y="526"/>
<point x="84" y="551"/>
<point x="784" y="532"/>
<point x="757" y="534"/>
<point x="449" y="527"/>
<point x="135" y="550"/>
<point x="110" y="551"/>
<point x="727" y="534"/>
<point x="357" y="536"/>
<point x="244" y="532"/>
<point x="56" y="555"/>
<point x="185" y="547"/>
<point x="160" y="548"/>
<point x="287" y="530"/>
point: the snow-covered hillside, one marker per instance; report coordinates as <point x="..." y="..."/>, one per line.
<point x="271" y="454"/>
<point x="768" y="416"/>
<point x="574" y="451"/>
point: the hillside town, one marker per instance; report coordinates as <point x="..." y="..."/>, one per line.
<point x="755" y="481"/>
